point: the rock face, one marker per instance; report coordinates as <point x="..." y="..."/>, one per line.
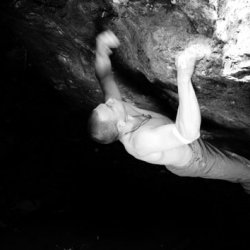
<point x="60" y="36"/>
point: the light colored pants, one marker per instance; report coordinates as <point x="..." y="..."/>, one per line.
<point x="210" y="162"/>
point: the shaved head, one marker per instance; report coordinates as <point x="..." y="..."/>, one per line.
<point x="102" y="131"/>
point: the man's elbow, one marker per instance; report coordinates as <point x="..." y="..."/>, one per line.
<point x="192" y="136"/>
<point x="187" y="135"/>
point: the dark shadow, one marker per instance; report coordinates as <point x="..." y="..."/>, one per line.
<point x="138" y="82"/>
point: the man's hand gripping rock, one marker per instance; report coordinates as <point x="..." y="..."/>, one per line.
<point x="104" y="43"/>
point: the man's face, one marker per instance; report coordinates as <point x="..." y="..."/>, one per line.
<point x="112" y="110"/>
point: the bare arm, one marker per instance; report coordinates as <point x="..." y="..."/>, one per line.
<point x="187" y="126"/>
<point x="104" y="42"/>
<point x="188" y="118"/>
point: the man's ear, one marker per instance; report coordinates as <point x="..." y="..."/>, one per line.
<point x="121" y="125"/>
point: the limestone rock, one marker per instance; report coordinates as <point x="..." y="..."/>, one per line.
<point x="60" y="36"/>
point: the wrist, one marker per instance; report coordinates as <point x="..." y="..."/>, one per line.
<point x="185" y="71"/>
<point x="106" y="78"/>
<point x="184" y="77"/>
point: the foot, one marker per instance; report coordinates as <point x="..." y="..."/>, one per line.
<point x="195" y="51"/>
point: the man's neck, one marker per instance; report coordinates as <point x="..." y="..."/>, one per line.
<point x="136" y="122"/>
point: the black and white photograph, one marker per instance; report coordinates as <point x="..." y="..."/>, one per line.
<point x="125" y="125"/>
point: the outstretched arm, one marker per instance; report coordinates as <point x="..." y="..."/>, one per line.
<point x="104" y="42"/>
<point x="188" y="118"/>
<point x="232" y="167"/>
<point x="187" y="125"/>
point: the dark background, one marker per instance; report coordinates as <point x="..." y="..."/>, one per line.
<point x="60" y="190"/>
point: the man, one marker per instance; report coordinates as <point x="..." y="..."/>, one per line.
<point x="154" y="138"/>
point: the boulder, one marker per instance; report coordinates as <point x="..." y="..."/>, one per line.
<point x="60" y="37"/>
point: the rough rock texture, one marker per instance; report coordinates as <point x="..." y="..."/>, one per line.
<point x="60" y="37"/>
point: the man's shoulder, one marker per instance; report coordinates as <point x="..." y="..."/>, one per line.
<point x="149" y="139"/>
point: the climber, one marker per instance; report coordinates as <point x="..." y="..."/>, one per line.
<point x="154" y="138"/>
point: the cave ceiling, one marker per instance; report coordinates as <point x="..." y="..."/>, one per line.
<point x="60" y="38"/>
